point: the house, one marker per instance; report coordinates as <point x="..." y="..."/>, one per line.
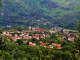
<point x="43" y="37"/>
<point x="42" y="31"/>
<point x="54" y="44"/>
<point x="63" y="37"/>
<point x="50" y="46"/>
<point x="36" y="36"/>
<point x="28" y="37"/>
<point x="32" y="44"/>
<point x="35" y="29"/>
<point x="14" y="38"/>
<point x="59" y="46"/>
<point x="15" y="35"/>
<point x="52" y="31"/>
<point x="4" y="33"/>
<point x="43" y="44"/>
<point x="70" y="38"/>
<point x="47" y="35"/>
<point x="7" y="34"/>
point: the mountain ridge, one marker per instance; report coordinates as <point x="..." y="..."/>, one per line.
<point x="18" y="12"/>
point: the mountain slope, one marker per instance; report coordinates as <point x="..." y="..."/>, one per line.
<point x="64" y="13"/>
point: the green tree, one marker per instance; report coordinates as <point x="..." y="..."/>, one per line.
<point x="77" y="46"/>
<point x="53" y="36"/>
<point x="21" y="27"/>
<point x="1" y="30"/>
<point x="19" y="41"/>
<point x="1" y="43"/>
<point x="4" y="55"/>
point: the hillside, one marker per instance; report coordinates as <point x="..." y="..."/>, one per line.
<point x="64" y="13"/>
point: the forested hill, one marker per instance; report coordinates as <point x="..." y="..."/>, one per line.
<point x="64" y="13"/>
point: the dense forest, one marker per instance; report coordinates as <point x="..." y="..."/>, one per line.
<point x="63" y="13"/>
<point x="23" y="52"/>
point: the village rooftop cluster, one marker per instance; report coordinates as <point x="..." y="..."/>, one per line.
<point x="39" y="35"/>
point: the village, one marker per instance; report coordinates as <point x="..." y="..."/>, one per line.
<point x="35" y="36"/>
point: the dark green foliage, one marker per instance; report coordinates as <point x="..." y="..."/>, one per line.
<point x="4" y="55"/>
<point x="21" y="27"/>
<point x="12" y="51"/>
<point x="33" y="39"/>
<point x="63" y="13"/>
<point x="53" y="36"/>
<point x="78" y="43"/>
<point x="1" y="30"/>
<point x="19" y="41"/>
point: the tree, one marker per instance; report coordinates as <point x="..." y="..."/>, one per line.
<point x="4" y="55"/>
<point x="1" y="30"/>
<point x="53" y="36"/>
<point x="1" y="43"/>
<point x="19" y="41"/>
<point x="21" y="27"/>
<point x="77" y="46"/>
<point x="77" y="43"/>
